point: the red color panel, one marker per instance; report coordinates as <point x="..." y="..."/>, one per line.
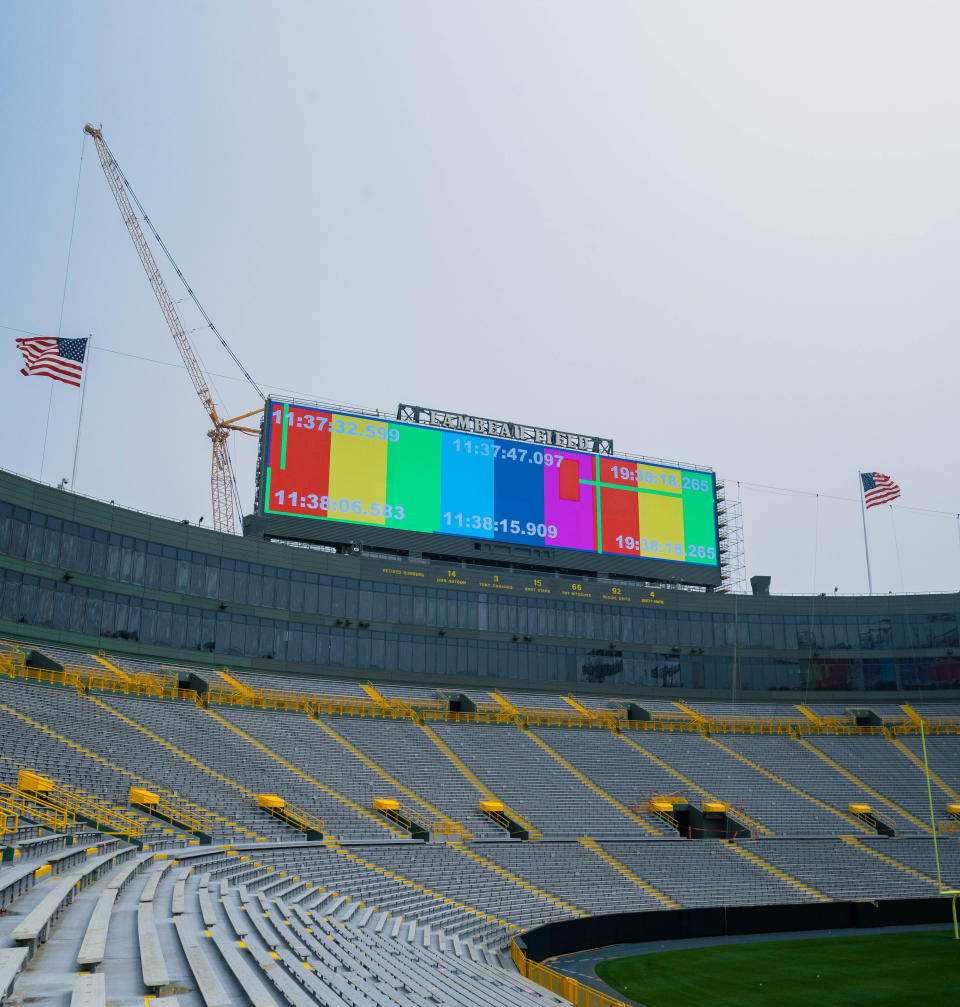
<point x="617" y="471"/>
<point x="307" y="468"/>
<point x="569" y="473"/>
<point x="619" y="515"/>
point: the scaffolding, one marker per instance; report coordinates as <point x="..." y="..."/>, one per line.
<point x="733" y="564"/>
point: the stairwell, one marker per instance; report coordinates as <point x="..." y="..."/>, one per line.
<point x="474" y="781"/>
<point x="782" y="875"/>
<point x="853" y="841"/>
<point x="450" y="826"/>
<point x="516" y="879"/>
<point x="918" y="762"/>
<point x="846" y="819"/>
<point x="594" y="847"/>
<point x="623" y="809"/>
<point x="329" y="791"/>
<point x="187" y="758"/>
<point x="854" y="779"/>
<point x="85" y="751"/>
<point x="755" y="825"/>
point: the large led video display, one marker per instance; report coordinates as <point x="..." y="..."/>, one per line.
<point x="337" y="467"/>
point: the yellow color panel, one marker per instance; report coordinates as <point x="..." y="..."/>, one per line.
<point x="656" y="477"/>
<point x="661" y="526"/>
<point x="358" y="471"/>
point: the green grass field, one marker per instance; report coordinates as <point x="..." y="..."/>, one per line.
<point x="903" y="968"/>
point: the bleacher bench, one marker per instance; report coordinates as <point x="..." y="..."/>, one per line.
<point x="41" y="845"/>
<point x="153" y="965"/>
<point x="211" y="989"/>
<point x="12" y="961"/>
<point x="93" y="946"/>
<point x="35" y="926"/>
<point x="89" y="990"/>
<point x="14" y="881"/>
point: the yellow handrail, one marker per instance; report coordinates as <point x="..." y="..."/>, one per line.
<point x="100" y="814"/>
<point x="563" y="986"/>
<point x="86" y="678"/>
<point x="36" y="809"/>
<point x="5" y="816"/>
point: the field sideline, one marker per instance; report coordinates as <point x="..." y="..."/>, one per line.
<point x="883" y="969"/>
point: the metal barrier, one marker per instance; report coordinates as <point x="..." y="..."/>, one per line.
<point x="36" y="809"/>
<point x="9" y="821"/>
<point x="556" y="982"/>
<point x="113" y="821"/>
<point x="94" y="679"/>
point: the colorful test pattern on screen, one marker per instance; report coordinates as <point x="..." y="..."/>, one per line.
<point x="338" y="467"/>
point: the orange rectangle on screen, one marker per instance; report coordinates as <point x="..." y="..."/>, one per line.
<point x="569" y="473"/>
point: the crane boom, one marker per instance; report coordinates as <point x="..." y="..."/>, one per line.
<point x="222" y="481"/>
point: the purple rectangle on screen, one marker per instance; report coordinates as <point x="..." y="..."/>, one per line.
<point x="575" y="519"/>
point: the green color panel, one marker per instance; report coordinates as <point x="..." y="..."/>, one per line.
<point x="699" y="523"/>
<point x="413" y="479"/>
<point x="283" y="439"/>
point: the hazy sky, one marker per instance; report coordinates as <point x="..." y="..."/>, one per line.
<point x="724" y="233"/>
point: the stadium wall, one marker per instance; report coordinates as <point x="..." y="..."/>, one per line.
<point x="565" y="937"/>
<point x="82" y="572"/>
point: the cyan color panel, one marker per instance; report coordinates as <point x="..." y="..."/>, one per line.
<point x="466" y="506"/>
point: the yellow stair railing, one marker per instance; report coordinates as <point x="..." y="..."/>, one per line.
<point x="698" y="718"/>
<point x="235" y="683"/>
<point x="9" y="820"/>
<point x="83" y="806"/>
<point x="101" y="659"/>
<point x="580" y="708"/>
<point x="369" y="689"/>
<point x="809" y="714"/>
<point x="36" y="809"/>
<point x="505" y="704"/>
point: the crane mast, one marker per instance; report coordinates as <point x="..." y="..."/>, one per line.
<point x="222" y="480"/>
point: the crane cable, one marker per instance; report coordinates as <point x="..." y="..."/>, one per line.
<point x="183" y="279"/>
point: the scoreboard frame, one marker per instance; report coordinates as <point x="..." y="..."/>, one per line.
<point x="346" y="536"/>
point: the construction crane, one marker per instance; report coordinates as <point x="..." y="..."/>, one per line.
<point x="223" y="485"/>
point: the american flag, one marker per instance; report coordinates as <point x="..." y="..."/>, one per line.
<point x="878" y="489"/>
<point x="51" y="357"/>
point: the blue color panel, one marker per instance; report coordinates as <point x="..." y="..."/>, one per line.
<point x="519" y="493"/>
<point x="466" y="489"/>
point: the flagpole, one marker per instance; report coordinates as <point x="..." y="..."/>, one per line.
<point x="46" y="430"/>
<point x="863" y="514"/>
<point x="83" y="396"/>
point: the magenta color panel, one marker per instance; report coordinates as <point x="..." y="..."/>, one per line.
<point x="575" y="519"/>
